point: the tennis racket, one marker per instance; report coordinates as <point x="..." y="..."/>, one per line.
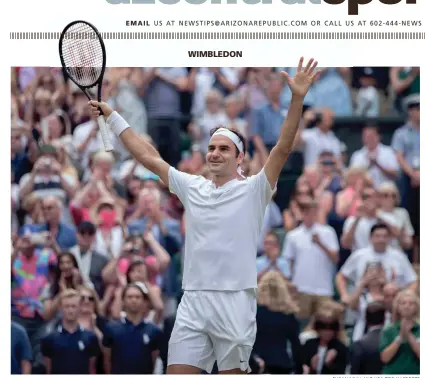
<point x="83" y="57"/>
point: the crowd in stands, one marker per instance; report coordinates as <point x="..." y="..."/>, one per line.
<point x="98" y="241"/>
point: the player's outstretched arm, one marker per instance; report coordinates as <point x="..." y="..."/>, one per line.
<point x="299" y="85"/>
<point x="141" y="149"/>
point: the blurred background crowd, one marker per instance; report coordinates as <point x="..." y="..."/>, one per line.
<point x="97" y="241"/>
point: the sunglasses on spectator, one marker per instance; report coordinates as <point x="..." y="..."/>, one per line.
<point x="388" y="195"/>
<point x="328" y="162"/>
<point x="86" y="233"/>
<point x="89" y="298"/>
<point x="331" y="326"/>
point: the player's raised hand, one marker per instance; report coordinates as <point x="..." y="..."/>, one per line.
<point x="95" y="105"/>
<point x="303" y="79"/>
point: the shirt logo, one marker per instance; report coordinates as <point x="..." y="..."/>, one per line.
<point x="146" y="339"/>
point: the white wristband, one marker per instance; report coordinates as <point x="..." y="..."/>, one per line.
<point x="116" y="123"/>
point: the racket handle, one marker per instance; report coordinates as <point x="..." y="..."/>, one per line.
<point x="105" y="134"/>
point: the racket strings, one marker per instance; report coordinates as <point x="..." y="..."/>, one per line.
<point x="82" y="54"/>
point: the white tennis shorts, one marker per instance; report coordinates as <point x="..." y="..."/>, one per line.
<point x="214" y="326"/>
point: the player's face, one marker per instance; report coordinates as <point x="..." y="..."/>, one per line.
<point x="221" y="156"/>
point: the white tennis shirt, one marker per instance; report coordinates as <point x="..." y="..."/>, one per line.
<point x="222" y="229"/>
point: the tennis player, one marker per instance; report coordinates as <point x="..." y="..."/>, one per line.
<point x="216" y="319"/>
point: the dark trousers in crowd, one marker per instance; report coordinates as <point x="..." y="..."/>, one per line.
<point x="165" y="133"/>
<point x="36" y="329"/>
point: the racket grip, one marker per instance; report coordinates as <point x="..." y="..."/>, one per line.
<point x="105" y="134"/>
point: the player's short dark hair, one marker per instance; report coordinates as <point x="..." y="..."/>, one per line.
<point x="375" y="314"/>
<point x="379" y="226"/>
<point x="235" y="131"/>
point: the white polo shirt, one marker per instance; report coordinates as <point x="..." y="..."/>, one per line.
<point x="222" y="229"/>
<point x="313" y="269"/>
<point x="395" y="263"/>
<point x="385" y="157"/>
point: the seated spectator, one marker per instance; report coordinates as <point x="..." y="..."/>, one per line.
<point x="327" y="353"/>
<point x="276" y="326"/>
<point x="292" y="215"/>
<point x="370" y="289"/>
<point x="367" y="100"/>
<point x="70" y="348"/>
<point x="91" y="262"/>
<point x="331" y="91"/>
<point x="395" y="263"/>
<point x="329" y="305"/>
<point x="111" y="231"/>
<point x="356" y="229"/>
<point x="396" y="218"/>
<point x="379" y="160"/>
<point x="399" y="346"/>
<point x="123" y="352"/>
<point x="61" y="234"/>
<point x="271" y="260"/>
<point x="21" y="352"/>
<point x="364" y="355"/>
<point x="312" y="251"/>
<point x="66" y="276"/>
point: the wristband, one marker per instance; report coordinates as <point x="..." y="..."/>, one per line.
<point x="116" y="123"/>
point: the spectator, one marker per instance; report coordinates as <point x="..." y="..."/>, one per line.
<point x="161" y="89"/>
<point x="369" y="290"/>
<point x="405" y="81"/>
<point x="132" y="345"/>
<point x="312" y="250"/>
<point x="203" y="79"/>
<point x="111" y="231"/>
<point x="70" y="348"/>
<point x="267" y="120"/>
<point x="56" y="232"/>
<point x="335" y="308"/>
<point x="31" y="266"/>
<point x="21" y="352"/>
<point x="348" y="199"/>
<point x="379" y="160"/>
<point x="271" y="260"/>
<point x="233" y="107"/>
<point x="331" y="91"/>
<point x="325" y="354"/>
<point x="292" y="216"/>
<point x="213" y="116"/>
<point x="395" y="263"/>
<point x="319" y="138"/>
<point x="365" y="357"/>
<point x="356" y="229"/>
<point x="406" y="145"/>
<point x="400" y="348"/>
<point x="396" y="218"/>
<point x="91" y="263"/>
<point x="367" y="100"/>
<point x="47" y="178"/>
<point x="276" y="326"/>
<point x="66" y="276"/>
<point x="20" y="160"/>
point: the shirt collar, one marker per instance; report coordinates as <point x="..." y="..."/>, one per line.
<point x="61" y="329"/>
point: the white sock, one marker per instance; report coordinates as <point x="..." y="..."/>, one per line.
<point x="116" y="123"/>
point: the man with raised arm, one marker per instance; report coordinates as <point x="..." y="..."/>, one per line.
<point x="216" y="319"/>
